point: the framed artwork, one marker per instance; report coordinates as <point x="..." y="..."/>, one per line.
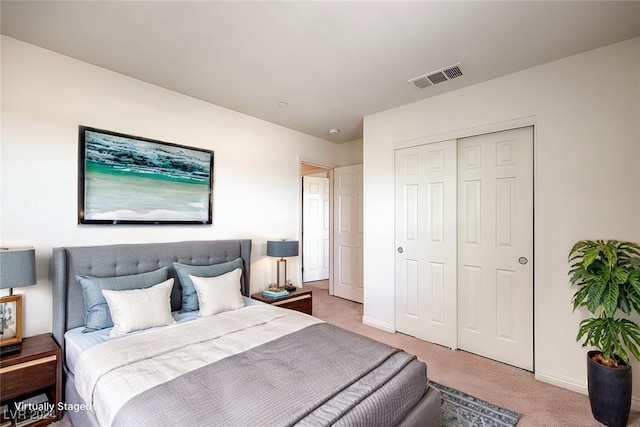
<point x="125" y="179"/>
<point x="10" y="320"/>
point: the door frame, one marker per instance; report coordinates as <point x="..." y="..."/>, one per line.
<point x="480" y="130"/>
<point x="329" y="170"/>
<point x="472" y="131"/>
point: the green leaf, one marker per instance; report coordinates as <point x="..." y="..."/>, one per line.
<point x="610" y="254"/>
<point x="630" y="250"/>
<point x="610" y="299"/>
<point x="634" y="279"/>
<point x="623" y="303"/>
<point x="577" y="275"/>
<point x="632" y="341"/>
<point x="619" y="274"/>
<point x="595" y="294"/>
<point x="579" y="297"/>
<point x="579" y="246"/>
<point x="590" y="256"/>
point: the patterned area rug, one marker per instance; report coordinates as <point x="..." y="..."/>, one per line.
<point x="462" y="410"/>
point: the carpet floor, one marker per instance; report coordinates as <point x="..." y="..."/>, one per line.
<point x="540" y="404"/>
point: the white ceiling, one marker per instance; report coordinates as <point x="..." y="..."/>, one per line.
<point x="332" y="62"/>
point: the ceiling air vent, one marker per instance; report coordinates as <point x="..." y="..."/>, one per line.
<point x="436" y="77"/>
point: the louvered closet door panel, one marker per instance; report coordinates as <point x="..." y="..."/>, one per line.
<point x="425" y="254"/>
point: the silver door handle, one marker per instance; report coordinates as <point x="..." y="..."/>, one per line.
<point x="523" y="260"/>
<point x="400" y="250"/>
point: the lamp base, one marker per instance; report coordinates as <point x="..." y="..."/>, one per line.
<point x="281" y="273"/>
<point x="9" y="349"/>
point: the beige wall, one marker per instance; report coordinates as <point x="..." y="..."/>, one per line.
<point x="586" y="111"/>
<point x="45" y="96"/>
<point x="350" y="153"/>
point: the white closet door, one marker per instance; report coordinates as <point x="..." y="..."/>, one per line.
<point x="464" y="244"/>
<point x="426" y="242"/>
<point x="347" y="253"/>
<point x="495" y="246"/>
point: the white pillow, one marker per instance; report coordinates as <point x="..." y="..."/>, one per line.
<point x="220" y="293"/>
<point x="137" y="309"/>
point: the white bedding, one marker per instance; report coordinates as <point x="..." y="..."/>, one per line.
<point x="76" y="341"/>
<point x="108" y="374"/>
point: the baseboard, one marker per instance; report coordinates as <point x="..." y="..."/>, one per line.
<point x="379" y="325"/>
<point x="570" y="384"/>
<point x="559" y="381"/>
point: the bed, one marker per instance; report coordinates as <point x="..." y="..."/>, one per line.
<point x="239" y="363"/>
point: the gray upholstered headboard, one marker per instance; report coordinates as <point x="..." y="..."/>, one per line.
<point x="120" y="260"/>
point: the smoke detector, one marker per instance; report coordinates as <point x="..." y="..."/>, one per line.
<point x="438" y="76"/>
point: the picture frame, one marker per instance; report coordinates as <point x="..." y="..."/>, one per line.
<point x="10" y="320"/>
<point x="126" y="179"/>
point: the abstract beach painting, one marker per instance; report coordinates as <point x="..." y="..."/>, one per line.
<point x="126" y="179"/>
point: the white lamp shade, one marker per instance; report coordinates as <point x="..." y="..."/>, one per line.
<point x="17" y="267"/>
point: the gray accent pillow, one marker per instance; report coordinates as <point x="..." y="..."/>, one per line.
<point x="97" y="315"/>
<point x="189" y="295"/>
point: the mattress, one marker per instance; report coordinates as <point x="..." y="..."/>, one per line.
<point x="276" y="351"/>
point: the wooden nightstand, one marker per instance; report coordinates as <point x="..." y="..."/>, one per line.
<point x="37" y="368"/>
<point x="300" y="300"/>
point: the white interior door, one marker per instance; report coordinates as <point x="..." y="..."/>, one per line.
<point x="315" y="228"/>
<point x="426" y="242"/>
<point x="347" y="252"/>
<point x="495" y="246"/>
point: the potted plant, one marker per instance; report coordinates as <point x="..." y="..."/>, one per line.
<point x="607" y="277"/>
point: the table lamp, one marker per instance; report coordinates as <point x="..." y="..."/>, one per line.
<point x="282" y="249"/>
<point x="17" y="269"/>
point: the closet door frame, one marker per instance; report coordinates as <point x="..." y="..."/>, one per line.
<point x="475" y="131"/>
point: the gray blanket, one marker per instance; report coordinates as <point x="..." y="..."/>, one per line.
<point x="315" y="376"/>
